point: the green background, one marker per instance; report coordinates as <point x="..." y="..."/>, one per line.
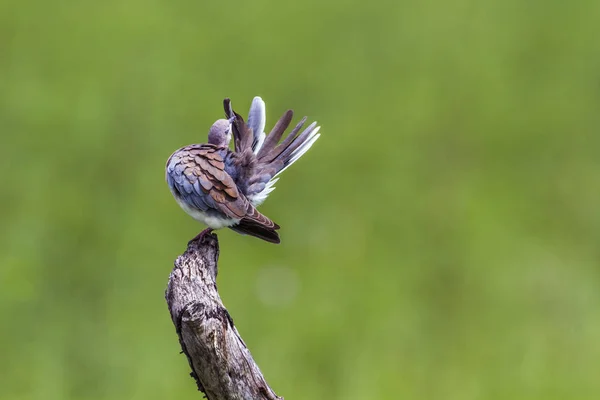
<point x="440" y="241"/>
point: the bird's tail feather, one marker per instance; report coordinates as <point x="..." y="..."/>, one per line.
<point x="248" y="227"/>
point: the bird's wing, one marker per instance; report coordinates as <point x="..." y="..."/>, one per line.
<point x="198" y="174"/>
<point x="270" y="157"/>
<point x="274" y="157"/>
<point x="243" y="137"/>
<point x="257" y="118"/>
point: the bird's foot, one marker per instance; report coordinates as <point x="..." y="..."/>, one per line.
<point x="201" y="235"/>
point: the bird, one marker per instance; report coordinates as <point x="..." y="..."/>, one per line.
<point x="221" y="187"/>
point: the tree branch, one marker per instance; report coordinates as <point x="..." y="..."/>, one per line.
<point x="221" y="363"/>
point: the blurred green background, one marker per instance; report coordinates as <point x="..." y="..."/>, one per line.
<point x="440" y="241"/>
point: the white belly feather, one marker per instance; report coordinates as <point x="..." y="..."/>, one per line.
<point x="211" y="221"/>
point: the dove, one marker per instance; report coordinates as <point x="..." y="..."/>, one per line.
<point x="221" y="187"/>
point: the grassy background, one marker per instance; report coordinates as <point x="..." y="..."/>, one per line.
<point x="439" y="242"/>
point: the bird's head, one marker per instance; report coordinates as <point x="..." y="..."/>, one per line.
<point x="220" y="132"/>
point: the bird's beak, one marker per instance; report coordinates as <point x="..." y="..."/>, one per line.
<point x="231" y="121"/>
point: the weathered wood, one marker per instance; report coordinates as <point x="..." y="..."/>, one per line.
<point x="221" y="363"/>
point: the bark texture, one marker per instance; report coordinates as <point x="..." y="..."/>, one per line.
<point x="221" y="363"/>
